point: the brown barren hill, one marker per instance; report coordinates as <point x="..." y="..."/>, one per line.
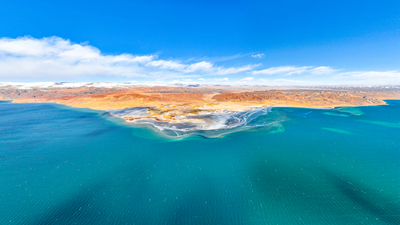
<point x="310" y="98"/>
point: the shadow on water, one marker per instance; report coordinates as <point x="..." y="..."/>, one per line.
<point x="380" y="206"/>
<point x="99" y="132"/>
<point x="275" y="177"/>
<point x="135" y="191"/>
<point x="106" y="115"/>
<point x="316" y="195"/>
<point x="285" y="192"/>
<point x="202" y="205"/>
<point x="119" y="198"/>
<point x="79" y="209"/>
<point x="90" y="116"/>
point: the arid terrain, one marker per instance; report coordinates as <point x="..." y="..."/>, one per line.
<point x="171" y="103"/>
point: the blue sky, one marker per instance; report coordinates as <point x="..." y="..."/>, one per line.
<point x="254" y="42"/>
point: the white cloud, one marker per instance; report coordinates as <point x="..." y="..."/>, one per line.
<point x="245" y="80"/>
<point x="185" y="81"/>
<point x="373" y="74"/>
<point x="248" y="79"/>
<point x="345" y="78"/>
<point x="322" y="70"/>
<point x="200" y="66"/>
<point x="57" y="58"/>
<point x="213" y="80"/>
<point x="167" y="65"/>
<point x="289" y="82"/>
<point x="369" y="77"/>
<point x="233" y="70"/>
<point x="290" y="70"/>
<point x="258" y="55"/>
<point x="286" y="70"/>
<point x="222" y="79"/>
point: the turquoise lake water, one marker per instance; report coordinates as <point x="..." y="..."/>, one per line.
<point x="60" y="165"/>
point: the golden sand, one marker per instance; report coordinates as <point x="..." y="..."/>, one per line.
<point x="174" y="104"/>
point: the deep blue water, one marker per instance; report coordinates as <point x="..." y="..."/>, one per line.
<point x="60" y="165"/>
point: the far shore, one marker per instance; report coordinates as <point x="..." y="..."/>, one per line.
<point x="174" y="103"/>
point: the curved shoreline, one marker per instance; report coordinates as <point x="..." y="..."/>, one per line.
<point x="185" y="109"/>
<point x="210" y="123"/>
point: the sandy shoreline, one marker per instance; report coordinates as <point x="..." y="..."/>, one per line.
<point x="182" y="104"/>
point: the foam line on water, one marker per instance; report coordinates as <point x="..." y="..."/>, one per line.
<point x="221" y="121"/>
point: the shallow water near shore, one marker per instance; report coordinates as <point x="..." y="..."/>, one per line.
<point x="61" y="165"/>
<point x="209" y="125"/>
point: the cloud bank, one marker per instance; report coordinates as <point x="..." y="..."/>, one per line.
<point x="56" y="59"/>
<point x="290" y="70"/>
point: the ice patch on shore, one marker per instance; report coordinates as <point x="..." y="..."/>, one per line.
<point x="208" y="124"/>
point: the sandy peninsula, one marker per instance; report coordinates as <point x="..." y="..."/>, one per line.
<point x="175" y="103"/>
